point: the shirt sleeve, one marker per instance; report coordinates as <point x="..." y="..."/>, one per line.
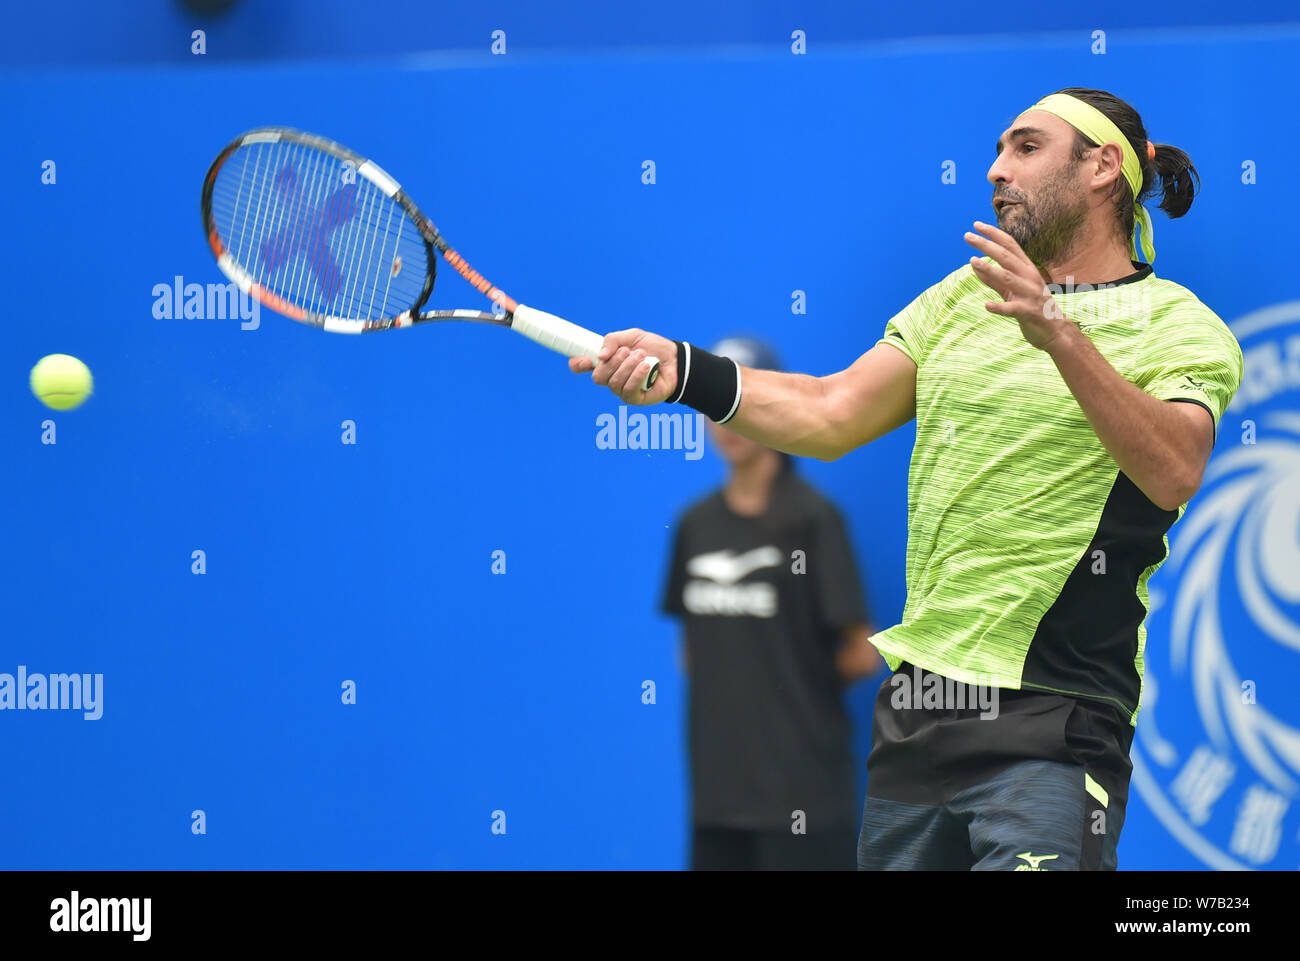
<point x="1192" y="356"/>
<point x="840" y="597"/>
<point x="912" y="329"/>
<point x="671" y="602"/>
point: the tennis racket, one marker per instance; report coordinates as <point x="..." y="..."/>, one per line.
<point x="324" y="236"/>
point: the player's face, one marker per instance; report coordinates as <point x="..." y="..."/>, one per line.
<point x="731" y="447"/>
<point x="1037" y="192"/>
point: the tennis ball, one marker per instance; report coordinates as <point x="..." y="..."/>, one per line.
<point x="61" y="381"/>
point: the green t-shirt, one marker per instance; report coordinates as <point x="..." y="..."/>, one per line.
<point x="1028" y="550"/>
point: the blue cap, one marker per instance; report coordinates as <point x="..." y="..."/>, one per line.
<point x="748" y="352"/>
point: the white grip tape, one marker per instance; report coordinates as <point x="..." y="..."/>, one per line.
<point x="564" y="337"/>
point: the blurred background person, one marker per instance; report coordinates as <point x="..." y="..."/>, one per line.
<point x="775" y="629"/>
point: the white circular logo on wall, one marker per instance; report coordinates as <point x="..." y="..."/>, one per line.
<point x="1217" y="750"/>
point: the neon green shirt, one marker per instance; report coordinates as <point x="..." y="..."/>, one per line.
<point x="1028" y="550"/>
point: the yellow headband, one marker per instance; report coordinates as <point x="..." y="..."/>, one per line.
<point x="1100" y="129"/>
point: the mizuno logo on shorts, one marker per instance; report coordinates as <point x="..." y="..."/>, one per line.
<point x="1034" y="861"/>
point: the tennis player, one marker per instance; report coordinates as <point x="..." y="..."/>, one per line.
<point x="1066" y="402"/>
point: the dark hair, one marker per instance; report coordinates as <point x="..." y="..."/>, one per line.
<point x="1171" y="173"/>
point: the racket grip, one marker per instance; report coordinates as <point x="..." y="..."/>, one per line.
<point x="566" y="338"/>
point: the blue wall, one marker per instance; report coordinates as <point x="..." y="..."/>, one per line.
<point x="372" y="562"/>
<point x="72" y="32"/>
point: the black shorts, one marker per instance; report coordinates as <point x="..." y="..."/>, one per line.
<point x="1038" y="783"/>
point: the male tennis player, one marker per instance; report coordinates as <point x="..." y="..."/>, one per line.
<point x="1066" y="401"/>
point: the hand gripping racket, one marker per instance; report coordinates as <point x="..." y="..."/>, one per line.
<point x="324" y="236"/>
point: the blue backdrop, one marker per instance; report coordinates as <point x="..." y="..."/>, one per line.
<point x="372" y="562"/>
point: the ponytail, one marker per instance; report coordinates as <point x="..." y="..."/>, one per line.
<point x="1179" y="180"/>
<point x="1170" y="174"/>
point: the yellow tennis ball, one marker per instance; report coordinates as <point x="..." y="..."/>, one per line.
<point x="61" y="381"/>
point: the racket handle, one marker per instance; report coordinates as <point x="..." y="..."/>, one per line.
<point x="567" y="338"/>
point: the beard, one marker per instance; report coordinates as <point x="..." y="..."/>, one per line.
<point x="1047" y="224"/>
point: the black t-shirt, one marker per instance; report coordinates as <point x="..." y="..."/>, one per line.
<point x="763" y="600"/>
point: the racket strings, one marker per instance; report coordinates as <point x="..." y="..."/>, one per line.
<point x="307" y="226"/>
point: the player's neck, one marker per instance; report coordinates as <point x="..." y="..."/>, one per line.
<point x="1086" y="262"/>
<point x="748" y="490"/>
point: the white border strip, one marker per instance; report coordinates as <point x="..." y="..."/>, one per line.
<point x="735" y="406"/>
<point x="375" y="174"/>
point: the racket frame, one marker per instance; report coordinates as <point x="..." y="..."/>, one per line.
<point x="547" y="329"/>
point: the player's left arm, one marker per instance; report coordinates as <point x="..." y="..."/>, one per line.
<point x="1162" y="445"/>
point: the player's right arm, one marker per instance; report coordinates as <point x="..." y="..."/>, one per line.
<point x="822" y="417"/>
